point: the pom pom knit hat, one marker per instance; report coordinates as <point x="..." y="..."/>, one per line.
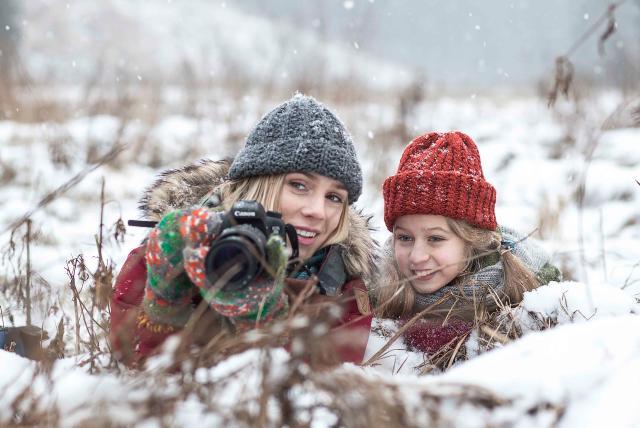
<point x="300" y="135"/>
<point x="440" y="174"/>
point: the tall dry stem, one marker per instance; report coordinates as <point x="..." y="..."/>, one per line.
<point x="28" y="281"/>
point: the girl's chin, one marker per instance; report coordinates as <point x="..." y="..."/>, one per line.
<point x="425" y="288"/>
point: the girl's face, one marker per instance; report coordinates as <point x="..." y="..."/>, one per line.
<point x="313" y="204"/>
<point x="428" y="253"/>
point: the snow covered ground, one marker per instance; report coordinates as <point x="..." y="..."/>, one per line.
<point x="575" y="375"/>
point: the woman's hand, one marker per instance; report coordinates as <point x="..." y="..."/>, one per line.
<point x="169" y="290"/>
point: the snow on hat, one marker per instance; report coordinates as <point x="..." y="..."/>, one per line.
<point x="440" y="174"/>
<point x="300" y="135"/>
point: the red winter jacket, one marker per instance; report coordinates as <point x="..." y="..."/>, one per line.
<point x="134" y="337"/>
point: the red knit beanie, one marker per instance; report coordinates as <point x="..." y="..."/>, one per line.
<point x="440" y="174"/>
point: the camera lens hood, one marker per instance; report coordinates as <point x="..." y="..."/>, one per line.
<point x="236" y="257"/>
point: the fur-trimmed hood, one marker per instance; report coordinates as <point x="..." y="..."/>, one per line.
<point x="187" y="186"/>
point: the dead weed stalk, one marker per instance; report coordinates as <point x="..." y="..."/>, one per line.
<point x="564" y="67"/>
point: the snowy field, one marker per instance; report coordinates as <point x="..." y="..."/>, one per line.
<point x="576" y="374"/>
<point x="567" y="175"/>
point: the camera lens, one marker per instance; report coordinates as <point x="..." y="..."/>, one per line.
<point x="236" y="257"/>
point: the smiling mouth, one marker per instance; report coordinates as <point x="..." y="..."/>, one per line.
<point x="423" y="275"/>
<point x="306" y="233"/>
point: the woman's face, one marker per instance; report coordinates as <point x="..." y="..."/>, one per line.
<point x="428" y="253"/>
<point x="313" y="204"/>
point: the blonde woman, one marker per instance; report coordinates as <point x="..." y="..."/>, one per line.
<point x="298" y="161"/>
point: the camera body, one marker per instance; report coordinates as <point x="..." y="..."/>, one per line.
<point x="238" y="254"/>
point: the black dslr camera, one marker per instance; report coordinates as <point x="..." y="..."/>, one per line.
<point x="238" y="254"/>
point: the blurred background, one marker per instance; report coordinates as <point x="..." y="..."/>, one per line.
<point x="454" y="46"/>
<point x="96" y="98"/>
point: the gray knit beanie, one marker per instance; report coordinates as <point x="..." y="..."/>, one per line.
<point x="300" y="135"/>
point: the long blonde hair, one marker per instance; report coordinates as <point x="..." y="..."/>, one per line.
<point x="267" y="189"/>
<point x="396" y="297"/>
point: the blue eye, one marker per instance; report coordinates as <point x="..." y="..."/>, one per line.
<point x="402" y="237"/>
<point x="297" y="185"/>
<point x="435" y="238"/>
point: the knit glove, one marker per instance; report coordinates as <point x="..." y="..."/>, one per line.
<point x="260" y="301"/>
<point x="169" y="291"/>
<point x="176" y="252"/>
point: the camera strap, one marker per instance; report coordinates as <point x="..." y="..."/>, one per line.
<point x="142" y="223"/>
<point x="293" y="240"/>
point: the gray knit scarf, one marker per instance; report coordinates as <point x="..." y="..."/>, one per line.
<point x="482" y="285"/>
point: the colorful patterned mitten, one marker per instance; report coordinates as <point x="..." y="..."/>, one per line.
<point x="176" y="252"/>
<point x="260" y="301"/>
<point x="169" y="291"/>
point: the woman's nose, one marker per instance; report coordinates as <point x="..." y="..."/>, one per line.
<point x="314" y="207"/>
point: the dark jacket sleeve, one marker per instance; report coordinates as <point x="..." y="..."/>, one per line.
<point x="132" y="335"/>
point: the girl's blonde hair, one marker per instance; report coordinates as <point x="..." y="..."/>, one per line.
<point x="396" y="297"/>
<point x="267" y="189"/>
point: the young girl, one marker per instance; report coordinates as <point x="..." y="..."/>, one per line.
<point x="300" y="161"/>
<point x="448" y="259"/>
